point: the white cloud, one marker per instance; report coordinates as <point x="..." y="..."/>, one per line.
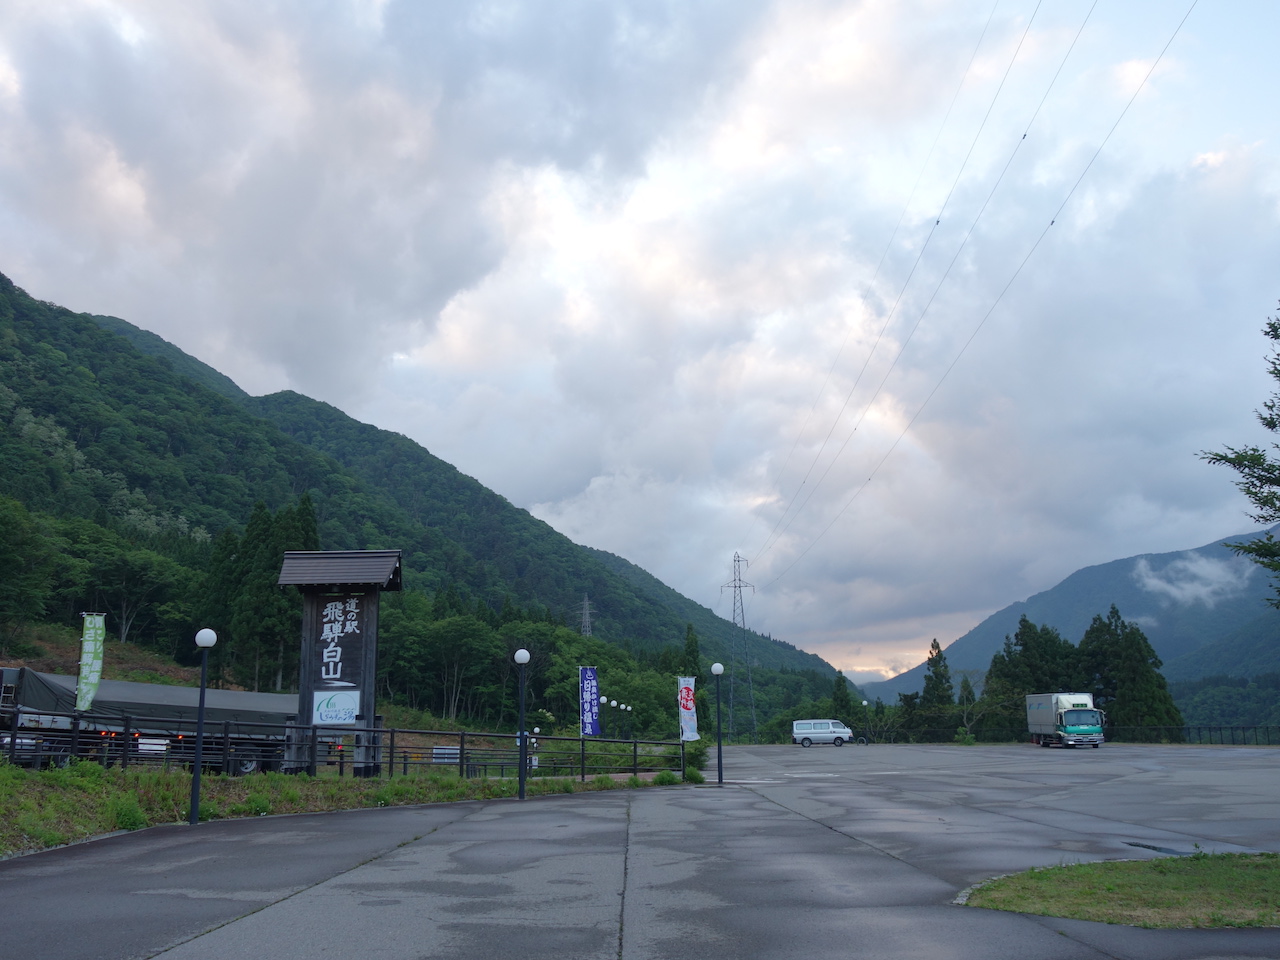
<point x="1195" y="578"/>
<point x="625" y="264"/>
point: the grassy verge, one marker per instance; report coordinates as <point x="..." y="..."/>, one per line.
<point x="1203" y="890"/>
<point x="52" y="807"/>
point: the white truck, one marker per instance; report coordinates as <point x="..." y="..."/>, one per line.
<point x="1064" y="719"/>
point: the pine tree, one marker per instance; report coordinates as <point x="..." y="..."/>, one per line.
<point x="1034" y="660"/>
<point x="841" y="702"/>
<point x="1260" y="474"/>
<point x="937" y="701"/>
<point x="1123" y="674"/>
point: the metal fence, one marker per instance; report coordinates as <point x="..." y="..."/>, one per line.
<point x="45" y="739"/>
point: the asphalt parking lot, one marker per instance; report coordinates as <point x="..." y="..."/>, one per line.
<point x="825" y="852"/>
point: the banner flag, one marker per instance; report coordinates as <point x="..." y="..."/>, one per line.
<point x="688" y="712"/>
<point x="92" y="647"/>
<point x="589" y="701"/>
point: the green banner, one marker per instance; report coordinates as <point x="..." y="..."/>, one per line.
<point x="91" y="649"/>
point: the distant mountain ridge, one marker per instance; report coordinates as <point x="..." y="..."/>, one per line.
<point x="1205" y="611"/>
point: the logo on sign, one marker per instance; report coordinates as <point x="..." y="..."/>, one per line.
<point x="333" y="708"/>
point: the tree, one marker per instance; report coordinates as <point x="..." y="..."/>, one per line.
<point x="1260" y="474"/>
<point x="131" y="585"/>
<point x="692" y="667"/>
<point x="1123" y="674"/>
<point x="841" y="702"/>
<point x="937" y="701"/>
<point x="968" y="706"/>
<point x="26" y="569"/>
<point x="1034" y="660"/>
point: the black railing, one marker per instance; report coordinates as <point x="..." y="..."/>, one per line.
<point x="44" y="738"/>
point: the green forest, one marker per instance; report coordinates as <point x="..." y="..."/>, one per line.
<point x="1113" y="661"/>
<point x="138" y="482"/>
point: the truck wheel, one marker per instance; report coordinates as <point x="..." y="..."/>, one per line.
<point x="806" y="742"/>
<point x="838" y="742"/>
<point x="243" y="767"/>
<point x="1096" y="746"/>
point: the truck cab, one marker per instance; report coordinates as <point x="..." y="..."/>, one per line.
<point x="1064" y="720"/>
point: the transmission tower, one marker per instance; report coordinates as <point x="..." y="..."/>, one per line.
<point x="738" y="645"/>
<point x="585" y="629"/>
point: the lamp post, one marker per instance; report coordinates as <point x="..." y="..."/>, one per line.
<point x="631" y="732"/>
<point x="522" y="659"/>
<point x="205" y="639"/>
<point x="866" y="721"/>
<point x="717" y="669"/>
<point x="604" y="702"/>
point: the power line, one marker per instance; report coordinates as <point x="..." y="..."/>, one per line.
<point x="946" y="273"/>
<point x="775" y="534"/>
<point x="875" y="276"/>
<point x="999" y="297"/>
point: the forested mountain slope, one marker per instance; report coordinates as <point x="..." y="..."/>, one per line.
<point x="528" y="558"/>
<point x="103" y="423"/>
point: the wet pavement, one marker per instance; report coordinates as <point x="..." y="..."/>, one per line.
<point x="825" y="852"/>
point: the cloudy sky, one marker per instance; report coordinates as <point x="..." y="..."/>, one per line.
<point x="918" y="306"/>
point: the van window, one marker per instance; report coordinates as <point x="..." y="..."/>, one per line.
<point x="803" y="726"/>
<point x="822" y="726"/>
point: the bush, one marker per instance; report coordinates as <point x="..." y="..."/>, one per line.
<point x="126" y="813"/>
<point x="693" y="775"/>
<point x="603" y="781"/>
<point x="634" y="781"/>
<point x="696" y="754"/>
<point x="665" y="779"/>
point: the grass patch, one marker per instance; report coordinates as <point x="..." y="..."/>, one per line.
<point x="1203" y="890"/>
<point x="47" y="808"/>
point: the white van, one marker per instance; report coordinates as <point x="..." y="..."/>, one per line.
<point x="808" y="732"/>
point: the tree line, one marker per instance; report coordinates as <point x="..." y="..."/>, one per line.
<point x="1113" y="661"/>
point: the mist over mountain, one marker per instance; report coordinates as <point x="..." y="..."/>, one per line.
<point x="1204" y="610"/>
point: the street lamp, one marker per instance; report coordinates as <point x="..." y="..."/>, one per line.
<point x="630" y="729"/>
<point x="866" y="721"/>
<point x="604" y="702"/>
<point x="205" y="639"/>
<point x="717" y="669"/>
<point x="522" y="659"/>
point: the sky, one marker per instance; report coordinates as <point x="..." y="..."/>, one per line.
<point x="917" y="306"/>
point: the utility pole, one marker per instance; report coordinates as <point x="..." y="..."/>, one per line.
<point x="585" y="629"/>
<point x="737" y="647"/>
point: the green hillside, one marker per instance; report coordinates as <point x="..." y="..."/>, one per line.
<point x="140" y="481"/>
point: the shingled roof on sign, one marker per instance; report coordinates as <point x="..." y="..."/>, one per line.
<point x="341" y="569"/>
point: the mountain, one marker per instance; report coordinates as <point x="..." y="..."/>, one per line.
<point x="1204" y="611"/>
<point x="117" y="433"/>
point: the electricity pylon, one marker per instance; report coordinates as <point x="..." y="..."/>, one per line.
<point x="738" y="646"/>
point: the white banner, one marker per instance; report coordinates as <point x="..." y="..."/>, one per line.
<point x="688" y="712"/>
<point x="92" y="647"/>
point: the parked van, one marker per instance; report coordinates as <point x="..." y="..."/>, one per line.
<point x="808" y="732"/>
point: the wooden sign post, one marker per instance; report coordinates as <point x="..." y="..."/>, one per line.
<point x="337" y="674"/>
